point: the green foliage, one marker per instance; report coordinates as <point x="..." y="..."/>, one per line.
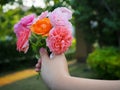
<point x="105" y="13"/>
<point x="8" y="53"/>
<point x="105" y="62"/>
<point x="37" y="42"/>
<point x="8" y="20"/>
<point x="70" y="54"/>
<point x="11" y="59"/>
<point x="2" y="2"/>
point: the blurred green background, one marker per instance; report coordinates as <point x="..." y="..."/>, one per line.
<point x="96" y="43"/>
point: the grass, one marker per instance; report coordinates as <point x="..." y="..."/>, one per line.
<point x="31" y="83"/>
<point x="81" y="70"/>
<point x="26" y="84"/>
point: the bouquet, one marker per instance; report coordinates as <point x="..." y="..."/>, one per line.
<point x="50" y="30"/>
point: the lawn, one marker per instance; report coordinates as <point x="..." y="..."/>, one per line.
<point x="31" y="83"/>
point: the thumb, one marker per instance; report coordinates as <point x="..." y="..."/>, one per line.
<point x="44" y="54"/>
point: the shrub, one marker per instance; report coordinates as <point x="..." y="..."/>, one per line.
<point x="11" y="59"/>
<point x="105" y="62"/>
<point x="70" y="54"/>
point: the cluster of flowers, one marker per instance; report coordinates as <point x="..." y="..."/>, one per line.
<point x="54" y="26"/>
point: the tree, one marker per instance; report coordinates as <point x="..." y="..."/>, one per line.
<point x="97" y="20"/>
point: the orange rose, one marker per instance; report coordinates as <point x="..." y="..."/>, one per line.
<point x="42" y="27"/>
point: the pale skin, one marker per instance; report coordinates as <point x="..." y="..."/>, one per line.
<point x="54" y="72"/>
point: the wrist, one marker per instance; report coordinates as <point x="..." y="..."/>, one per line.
<point x="60" y="82"/>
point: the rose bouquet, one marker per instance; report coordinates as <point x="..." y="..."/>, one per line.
<point x="50" y="30"/>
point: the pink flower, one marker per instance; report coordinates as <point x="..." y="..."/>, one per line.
<point x="22" y="42"/>
<point x="60" y="16"/>
<point x="23" y="32"/>
<point x="27" y="20"/>
<point x="59" y="39"/>
<point x="66" y="12"/>
<point x="43" y="15"/>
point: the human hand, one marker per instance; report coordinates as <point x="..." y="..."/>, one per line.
<point x="53" y="69"/>
<point x="54" y="72"/>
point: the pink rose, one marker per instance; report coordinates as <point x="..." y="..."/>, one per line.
<point x="23" y="32"/>
<point x="43" y="15"/>
<point x="22" y="42"/>
<point x="59" y="39"/>
<point x="27" y="20"/>
<point x="66" y="12"/>
<point x="60" y="16"/>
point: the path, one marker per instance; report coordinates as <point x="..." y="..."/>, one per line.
<point x="10" y="78"/>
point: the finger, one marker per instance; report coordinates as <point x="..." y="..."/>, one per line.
<point x="62" y="56"/>
<point x="37" y="65"/>
<point x="40" y="60"/>
<point x="37" y="69"/>
<point x="44" y="54"/>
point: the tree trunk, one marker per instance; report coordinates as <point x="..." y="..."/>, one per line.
<point x="81" y="47"/>
<point x="118" y="39"/>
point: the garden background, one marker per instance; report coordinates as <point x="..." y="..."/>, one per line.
<point x="95" y="50"/>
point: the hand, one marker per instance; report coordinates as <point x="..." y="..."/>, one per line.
<point x="52" y="69"/>
<point x="54" y="72"/>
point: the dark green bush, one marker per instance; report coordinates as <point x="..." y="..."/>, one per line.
<point x="105" y="62"/>
<point x="11" y="59"/>
<point x="70" y="54"/>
